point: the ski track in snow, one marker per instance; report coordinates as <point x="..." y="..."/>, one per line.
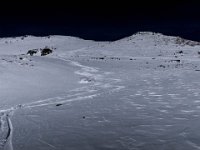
<point x="95" y="84"/>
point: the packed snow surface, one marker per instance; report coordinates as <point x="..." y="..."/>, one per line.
<point x="138" y="93"/>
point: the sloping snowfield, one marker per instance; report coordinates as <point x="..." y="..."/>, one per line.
<point x="138" y="93"/>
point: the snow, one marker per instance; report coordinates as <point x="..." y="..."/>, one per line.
<point x="137" y="93"/>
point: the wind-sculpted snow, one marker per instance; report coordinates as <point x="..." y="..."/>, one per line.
<point x="138" y="93"/>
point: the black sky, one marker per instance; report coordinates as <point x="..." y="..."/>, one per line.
<point x="100" y="20"/>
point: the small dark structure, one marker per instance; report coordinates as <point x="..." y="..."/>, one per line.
<point x="46" y="51"/>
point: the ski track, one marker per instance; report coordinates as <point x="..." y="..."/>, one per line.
<point x="96" y="83"/>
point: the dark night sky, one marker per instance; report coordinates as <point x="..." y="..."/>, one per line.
<point x="101" y="20"/>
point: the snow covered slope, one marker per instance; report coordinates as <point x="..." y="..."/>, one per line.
<point x="20" y="45"/>
<point x="140" y="92"/>
<point x="146" y="44"/>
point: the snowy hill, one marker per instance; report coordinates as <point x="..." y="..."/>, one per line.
<point x="20" y="45"/>
<point x="139" y="44"/>
<point x="140" y="92"/>
<point x="145" y="44"/>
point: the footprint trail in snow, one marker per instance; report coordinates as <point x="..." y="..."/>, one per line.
<point x="95" y="83"/>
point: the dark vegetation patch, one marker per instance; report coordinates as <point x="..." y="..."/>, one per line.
<point x="180" y="52"/>
<point x="101" y="58"/>
<point x="32" y="52"/>
<point x="98" y="58"/>
<point x="115" y="58"/>
<point x="46" y="51"/>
